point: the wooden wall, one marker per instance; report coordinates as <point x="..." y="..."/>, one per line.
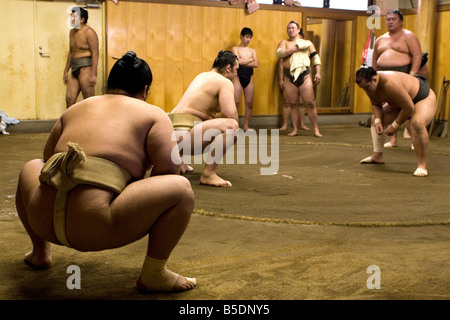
<point x="31" y="85"/>
<point x="180" y="41"/>
<point x="441" y="62"/>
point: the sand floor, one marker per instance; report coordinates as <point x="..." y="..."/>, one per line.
<point x="308" y="232"/>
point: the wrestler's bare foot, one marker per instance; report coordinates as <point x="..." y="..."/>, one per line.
<point x="293" y="133"/>
<point x="182" y="284"/>
<point x="214" y="180"/>
<point x="39" y="259"/>
<point x="393" y="142"/>
<point x="406" y="134"/>
<point x="283" y="127"/>
<point x="373" y="159"/>
<point x="186" y="168"/>
<point x="303" y="127"/>
<point x="390" y="145"/>
<point x="421" y="172"/>
<point x="318" y="134"/>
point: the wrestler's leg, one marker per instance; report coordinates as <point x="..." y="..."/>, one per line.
<point x="393" y="140"/>
<point x="158" y="206"/>
<point x="164" y="236"/>
<point x="422" y="116"/>
<point x="307" y="95"/>
<point x="87" y="89"/>
<point x="72" y="91"/>
<point x="180" y="136"/>
<point x="302" y="113"/>
<point x="285" y="113"/>
<point x="292" y="95"/>
<point x="249" y="92"/>
<point x="406" y="134"/>
<point x="237" y="91"/>
<point x="40" y="256"/>
<point x="225" y="126"/>
<point x="162" y="239"/>
<point x="389" y="115"/>
<point x="378" y="146"/>
<point x="294" y="117"/>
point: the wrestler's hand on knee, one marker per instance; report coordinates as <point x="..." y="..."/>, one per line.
<point x="379" y="128"/>
<point x="390" y="130"/>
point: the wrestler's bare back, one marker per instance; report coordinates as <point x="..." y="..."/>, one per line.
<point x="202" y="98"/>
<point x="392" y="85"/>
<point x="115" y="127"/>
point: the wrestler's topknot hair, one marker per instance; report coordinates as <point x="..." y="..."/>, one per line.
<point x="397" y="12"/>
<point x="298" y="26"/>
<point x="129" y="58"/>
<point x="365" y="73"/>
<point x="223" y="59"/>
<point x="130" y="74"/>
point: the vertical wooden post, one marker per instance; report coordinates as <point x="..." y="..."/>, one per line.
<point x="426" y="27"/>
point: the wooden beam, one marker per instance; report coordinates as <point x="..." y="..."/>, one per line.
<point x="426" y="28"/>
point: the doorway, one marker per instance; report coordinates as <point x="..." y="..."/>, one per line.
<point x="37" y="42"/>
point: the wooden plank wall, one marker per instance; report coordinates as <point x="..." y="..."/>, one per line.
<point x="180" y="41"/>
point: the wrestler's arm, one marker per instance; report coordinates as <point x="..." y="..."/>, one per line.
<point x="161" y="150"/>
<point x="283" y="51"/>
<point x="235" y="50"/>
<point x="375" y="55"/>
<point x="92" y="40"/>
<point x="397" y="96"/>
<point x="248" y="62"/>
<point x="377" y="109"/>
<point x="253" y="60"/>
<point x="416" y="51"/>
<point x="280" y="74"/>
<point x="52" y="140"/>
<point x="67" y="67"/>
<point x="318" y="67"/>
<point x="226" y="101"/>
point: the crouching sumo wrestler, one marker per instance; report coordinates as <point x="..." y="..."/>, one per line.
<point x="90" y="192"/>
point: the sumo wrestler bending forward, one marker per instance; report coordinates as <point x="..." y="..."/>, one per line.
<point x="89" y="191"/>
